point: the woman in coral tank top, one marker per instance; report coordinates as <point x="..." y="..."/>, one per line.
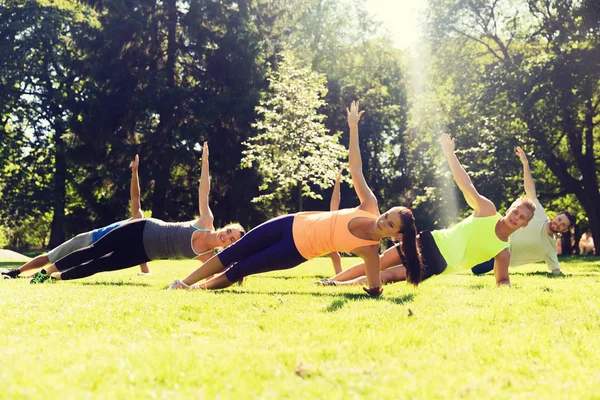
<point x="287" y="241"/>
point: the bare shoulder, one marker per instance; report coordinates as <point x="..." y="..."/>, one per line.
<point x="503" y="256"/>
<point x="486" y="208"/>
<point x="370" y="206"/>
<point x="205" y="222"/>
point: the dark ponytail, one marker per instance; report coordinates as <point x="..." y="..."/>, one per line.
<point x="410" y="249"/>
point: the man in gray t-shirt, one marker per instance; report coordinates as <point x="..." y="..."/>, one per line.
<point x="537" y="241"/>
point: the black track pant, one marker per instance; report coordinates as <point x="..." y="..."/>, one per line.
<point x="121" y="248"/>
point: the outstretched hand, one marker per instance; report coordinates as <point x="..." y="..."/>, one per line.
<point x="447" y="144"/>
<point x="373" y="291"/>
<point x="205" y="150"/>
<point x="136" y="164"/>
<point x="521" y="154"/>
<point x="353" y="114"/>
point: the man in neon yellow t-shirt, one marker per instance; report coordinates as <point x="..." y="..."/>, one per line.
<point x="537" y="241"/>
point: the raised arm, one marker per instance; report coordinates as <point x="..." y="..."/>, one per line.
<point x="134" y="190"/>
<point x="204" y="186"/>
<point x="334" y="204"/>
<point x="368" y="201"/>
<point x="528" y="183"/>
<point x="482" y="206"/>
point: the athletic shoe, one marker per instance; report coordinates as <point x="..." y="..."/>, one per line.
<point x="177" y="284"/>
<point x="40" y="277"/>
<point x="11" y="273"/>
<point x="325" y="282"/>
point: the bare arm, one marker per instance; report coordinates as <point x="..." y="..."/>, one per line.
<point x="134" y="191"/>
<point x="371" y="259"/>
<point x="528" y="183"/>
<point x="501" y="263"/>
<point x="204" y="187"/>
<point x="482" y="206"/>
<point x="368" y="201"/>
<point x="205" y="257"/>
<point x="334" y="204"/>
<point x="388" y="259"/>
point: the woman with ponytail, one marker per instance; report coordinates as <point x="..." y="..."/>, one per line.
<point x="289" y="240"/>
<point x="483" y="235"/>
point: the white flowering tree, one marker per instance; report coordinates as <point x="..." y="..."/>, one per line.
<point x="292" y="149"/>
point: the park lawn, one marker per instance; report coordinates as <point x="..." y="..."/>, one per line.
<point x="119" y="335"/>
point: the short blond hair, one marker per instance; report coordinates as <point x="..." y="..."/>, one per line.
<point x="527" y="202"/>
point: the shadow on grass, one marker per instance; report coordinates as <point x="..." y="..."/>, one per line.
<point x="553" y="276"/>
<point x="340" y="299"/>
<point x="315" y="277"/>
<point x="578" y="259"/>
<point x="108" y="283"/>
<point x="340" y="303"/>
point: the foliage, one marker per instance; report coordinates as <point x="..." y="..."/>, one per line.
<point x="33" y="233"/>
<point x="292" y="148"/>
<point x="523" y="72"/>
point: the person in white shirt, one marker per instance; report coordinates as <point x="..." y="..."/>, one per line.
<point x="537" y="241"/>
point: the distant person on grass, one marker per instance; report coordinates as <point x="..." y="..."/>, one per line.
<point x="482" y="235"/>
<point x="85" y="239"/>
<point x="143" y="240"/>
<point x="537" y="241"/>
<point x="290" y="240"/>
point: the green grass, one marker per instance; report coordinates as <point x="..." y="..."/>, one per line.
<point x="119" y="335"/>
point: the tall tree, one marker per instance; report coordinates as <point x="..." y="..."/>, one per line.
<point x="537" y="64"/>
<point x="292" y="148"/>
<point x="43" y="81"/>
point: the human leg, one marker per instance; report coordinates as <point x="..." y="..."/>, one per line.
<point x="389" y="258"/>
<point x="35" y="263"/>
<point x="484" y="267"/>
<point x="75" y="243"/>
<point x="123" y="237"/>
<point x="119" y="259"/>
<point x="256" y="240"/>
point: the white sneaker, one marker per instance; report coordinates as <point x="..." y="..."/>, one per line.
<point x="177" y="284"/>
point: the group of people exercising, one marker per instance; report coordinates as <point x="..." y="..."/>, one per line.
<point x="484" y="241"/>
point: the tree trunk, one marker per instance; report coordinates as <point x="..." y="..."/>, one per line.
<point x="167" y="118"/>
<point x="162" y="177"/>
<point x="57" y="227"/>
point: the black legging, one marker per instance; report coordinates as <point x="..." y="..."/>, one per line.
<point x="121" y="248"/>
<point x="268" y="247"/>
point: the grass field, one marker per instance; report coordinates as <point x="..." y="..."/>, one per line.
<point x="119" y="335"/>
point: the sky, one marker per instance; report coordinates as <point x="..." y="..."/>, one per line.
<point x="401" y="18"/>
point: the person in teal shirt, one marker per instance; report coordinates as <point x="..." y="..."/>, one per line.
<point x="477" y="238"/>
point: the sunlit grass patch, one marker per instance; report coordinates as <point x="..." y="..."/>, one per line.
<point x="120" y="335"/>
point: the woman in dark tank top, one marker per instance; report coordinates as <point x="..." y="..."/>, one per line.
<point x="149" y="239"/>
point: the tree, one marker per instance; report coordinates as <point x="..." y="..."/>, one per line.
<point x="43" y="79"/>
<point x="536" y="68"/>
<point x="292" y="148"/>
